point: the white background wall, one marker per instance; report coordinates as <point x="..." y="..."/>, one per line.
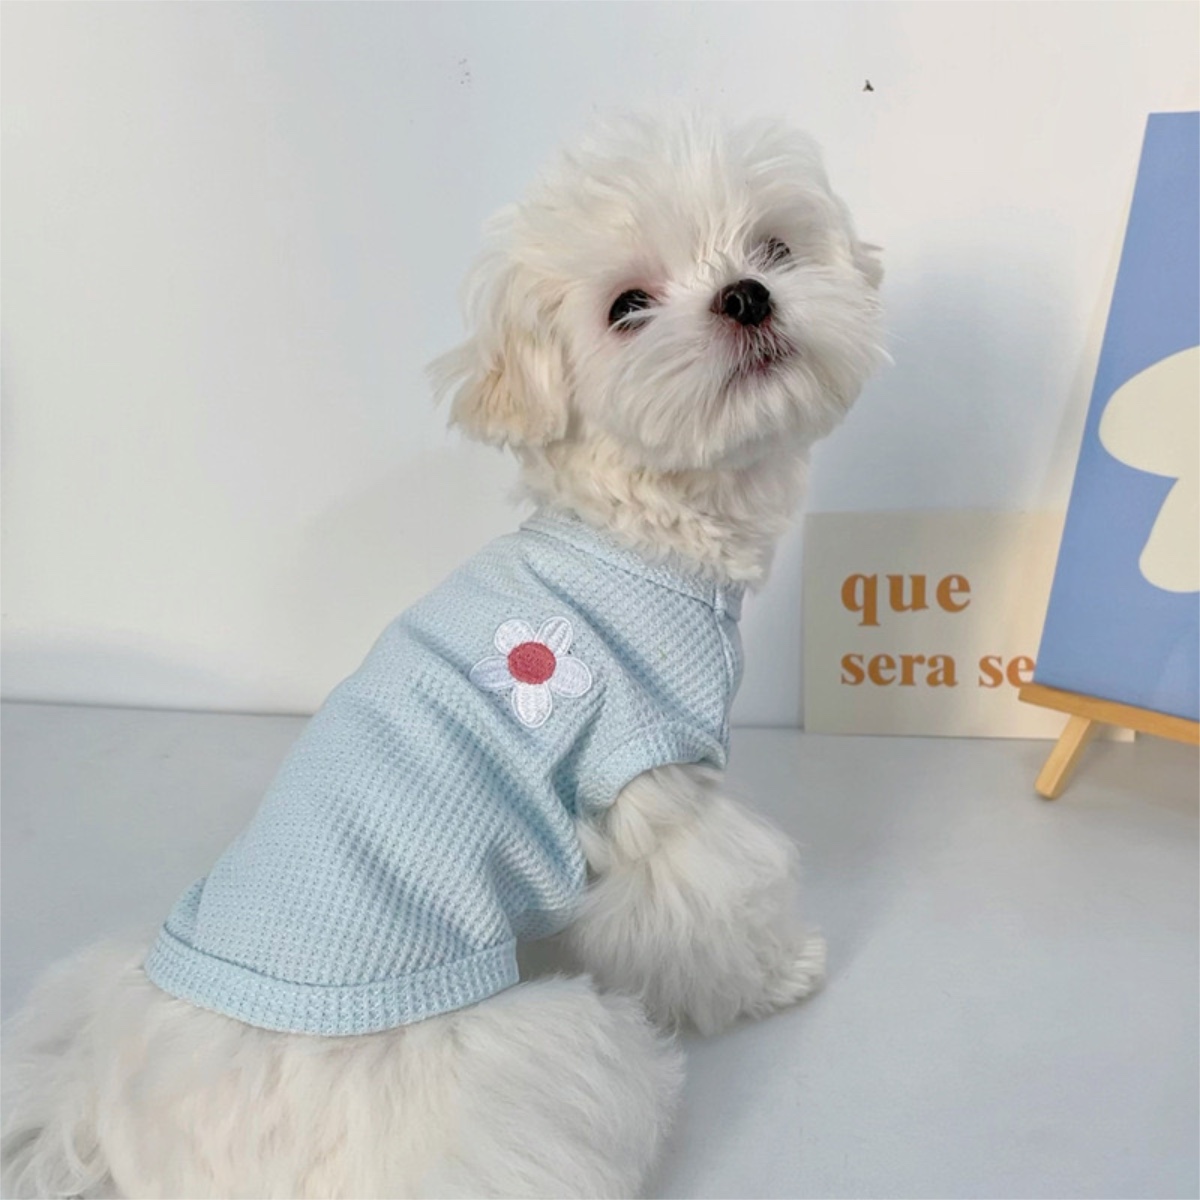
<point x="232" y="236"/>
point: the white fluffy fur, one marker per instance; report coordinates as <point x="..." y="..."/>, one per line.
<point x="686" y="435"/>
<point x="694" y="905"/>
<point x="549" y="1089"/>
<point x="656" y="434"/>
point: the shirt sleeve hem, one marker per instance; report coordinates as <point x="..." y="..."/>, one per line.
<point x="642" y="750"/>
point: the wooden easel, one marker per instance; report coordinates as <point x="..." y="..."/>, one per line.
<point x="1086" y="715"/>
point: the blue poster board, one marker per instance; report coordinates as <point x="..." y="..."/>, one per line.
<point x="1123" y="622"/>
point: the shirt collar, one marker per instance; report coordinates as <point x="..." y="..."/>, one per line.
<point x="724" y="598"/>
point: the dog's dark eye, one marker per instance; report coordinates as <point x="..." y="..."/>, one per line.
<point x="628" y="303"/>
<point x="773" y="252"/>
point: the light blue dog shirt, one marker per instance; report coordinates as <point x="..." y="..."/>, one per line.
<point x="424" y="820"/>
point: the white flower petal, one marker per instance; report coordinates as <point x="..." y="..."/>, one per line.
<point x="492" y="674"/>
<point x="512" y="633"/>
<point x="532" y="703"/>
<point x="557" y="634"/>
<point x="571" y="677"/>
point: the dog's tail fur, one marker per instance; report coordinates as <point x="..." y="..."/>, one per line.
<point x="51" y="1143"/>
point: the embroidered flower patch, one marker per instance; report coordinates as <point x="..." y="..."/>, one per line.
<point x="533" y="665"/>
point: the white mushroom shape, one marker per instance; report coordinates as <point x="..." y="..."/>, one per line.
<point x="1152" y="422"/>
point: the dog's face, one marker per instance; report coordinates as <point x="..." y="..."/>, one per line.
<point x="697" y="296"/>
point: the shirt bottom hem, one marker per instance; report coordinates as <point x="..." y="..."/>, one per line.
<point x="321" y="1009"/>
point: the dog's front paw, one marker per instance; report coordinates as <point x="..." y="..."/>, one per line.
<point x="800" y="976"/>
<point x="767" y="981"/>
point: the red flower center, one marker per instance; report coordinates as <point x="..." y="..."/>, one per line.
<point x="531" y="662"/>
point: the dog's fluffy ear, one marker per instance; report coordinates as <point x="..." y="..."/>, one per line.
<point x="866" y="259"/>
<point x="508" y="383"/>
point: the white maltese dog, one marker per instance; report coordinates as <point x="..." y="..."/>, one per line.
<point x="661" y="331"/>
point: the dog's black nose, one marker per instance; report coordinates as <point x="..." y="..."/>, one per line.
<point x="747" y="302"/>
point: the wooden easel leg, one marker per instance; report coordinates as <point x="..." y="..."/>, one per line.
<point x="1065" y="756"/>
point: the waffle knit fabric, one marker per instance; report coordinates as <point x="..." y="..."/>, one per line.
<point x="424" y="820"/>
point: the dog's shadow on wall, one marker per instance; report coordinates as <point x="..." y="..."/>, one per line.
<point x="44" y="670"/>
<point x="316" y="610"/>
<point x="361" y="563"/>
<point x="984" y="400"/>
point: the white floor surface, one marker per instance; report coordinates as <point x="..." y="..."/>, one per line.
<point x="1012" y="1002"/>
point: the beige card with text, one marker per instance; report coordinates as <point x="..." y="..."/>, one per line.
<point x="926" y="622"/>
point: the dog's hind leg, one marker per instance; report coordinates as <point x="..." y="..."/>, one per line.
<point x="561" y="1092"/>
<point x="117" y="1089"/>
<point x="694" y="904"/>
<point x="51" y="1143"/>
